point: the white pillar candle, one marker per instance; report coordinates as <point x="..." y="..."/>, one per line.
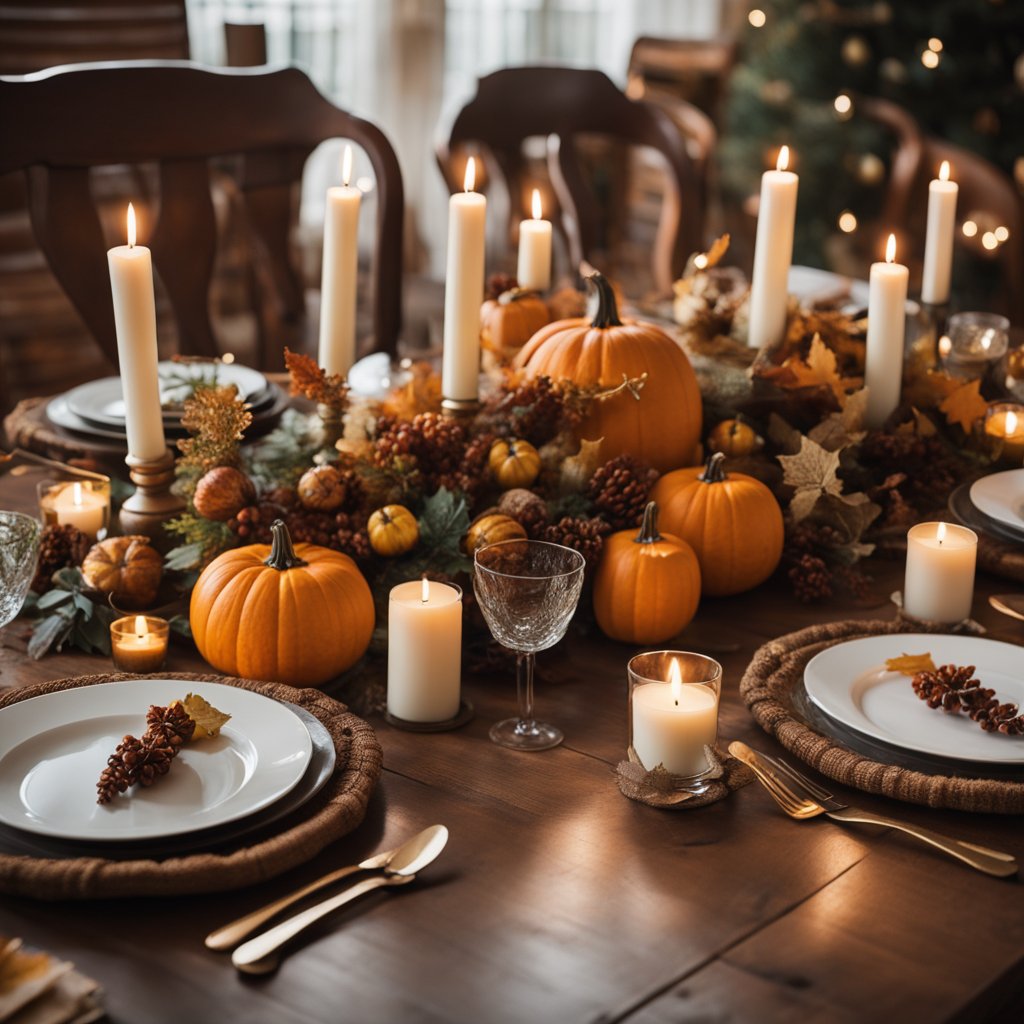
<point x="671" y="724"/>
<point x="938" y="239"/>
<point x="534" y="268"/>
<point x="464" y="292"/>
<point x="340" y="274"/>
<point x="75" y="505"/>
<point x="887" y="317"/>
<point x="940" y="572"/>
<point x="131" y="285"/>
<point x="424" y="651"/>
<point x="773" y="254"/>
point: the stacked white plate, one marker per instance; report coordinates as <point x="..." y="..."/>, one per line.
<point x="269" y="759"/>
<point x="993" y="505"/>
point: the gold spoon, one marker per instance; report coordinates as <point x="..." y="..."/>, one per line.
<point x="1008" y="604"/>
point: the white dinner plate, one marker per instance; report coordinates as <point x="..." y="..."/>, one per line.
<point x="54" y="747"/>
<point x="1001" y="497"/>
<point x="102" y="400"/>
<point x="850" y="683"/>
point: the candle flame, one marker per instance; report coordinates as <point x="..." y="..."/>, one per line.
<point x="940" y="533"/>
<point x="470" y="179"/>
<point x="700" y="261"/>
<point x="1011" y="423"/>
<point x="76" y="494"/>
<point x="944" y="171"/>
<point x="131" y="226"/>
<point x="141" y="626"/>
<point x="986" y="340"/>
<point x="537" y="211"/>
<point x="426" y="590"/>
<point x="783" y="162"/>
<point x="346" y="166"/>
<point x="890" y="249"/>
<point x="945" y="345"/>
<point x="675" y="681"/>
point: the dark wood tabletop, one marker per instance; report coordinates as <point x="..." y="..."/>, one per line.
<point x="558" y="899"/>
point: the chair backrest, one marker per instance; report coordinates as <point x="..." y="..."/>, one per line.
<point x="60" y="123"/>
<point x="563" y="104"/>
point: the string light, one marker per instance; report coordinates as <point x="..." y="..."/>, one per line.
<point x="970" y="229"/>
<point x="847" y="221"/>
<point x="843" y="106"/>
<point x="1002" y="233"/>
<point x="935" y="44"/>
<point x="930" y="59"/>
<point x="757" y="18"/>
<point x="989" y="240"/>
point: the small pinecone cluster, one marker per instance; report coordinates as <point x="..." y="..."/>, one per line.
<point x="59" y="546"/>
<point x="931" y="469"/>
<point x="619" y="490"/>
<point x="811" y="579"/>
<point x="430" y="445"/>
<point x="536" y="411"/>
<point x="142" y="761"/>
<point x="954" y="688"/>
<point x="580" y="533"/>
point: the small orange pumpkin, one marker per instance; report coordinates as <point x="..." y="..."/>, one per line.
<point x="732" y="522"/>
<point x="393" y="530"/>
<point x="508" y="322"/>
<point x="660" y="425"/>
<point x="733" y="438"/>
<point x="514" y="463"/>
<point x="647" y="585"/>
<point x="491" y="528"/>
<point x="126" y="568"/>
<point x="297" y="615"/>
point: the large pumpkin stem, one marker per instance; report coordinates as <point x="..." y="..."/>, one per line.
<point x="282" y="554"/>
<point x="607" y="314"/>
<point x="649" y="526"/>
<point x="714" y="471"/>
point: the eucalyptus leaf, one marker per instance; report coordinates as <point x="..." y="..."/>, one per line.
<point x="181" y="625"/>
<point x="184" y="557"/>
<point x="53" y="598"/>
<point x="84" y="605"/>
<point x="50" y="633"/>
<point x="69" y="579"/>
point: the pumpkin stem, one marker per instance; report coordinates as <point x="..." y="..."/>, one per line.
<point x="714" y="471"/>
<point x="282" y="554"/>
<point x="649" y="526"/>
<point x="607" y="314"/>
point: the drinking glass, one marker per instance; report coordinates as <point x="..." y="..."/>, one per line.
<point x="528" y="591"/>
<point x="19" y="545"/>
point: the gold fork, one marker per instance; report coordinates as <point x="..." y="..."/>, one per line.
<point x="802" y="800"/>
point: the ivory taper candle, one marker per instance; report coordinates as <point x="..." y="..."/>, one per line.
<point x="534" y="267"/>
<point x="887" y="317"/>
<point x="940" y="572"/>
<point x="131" y="286"/>
<point x="938" y="239"/>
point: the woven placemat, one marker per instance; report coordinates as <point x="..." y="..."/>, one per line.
<point x="774" y="679"/>
<point x="335" y="811"/>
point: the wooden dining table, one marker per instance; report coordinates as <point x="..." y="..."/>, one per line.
<point x="558" y="899"/>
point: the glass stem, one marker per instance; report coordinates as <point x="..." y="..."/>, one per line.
<point x="524" y="691"/>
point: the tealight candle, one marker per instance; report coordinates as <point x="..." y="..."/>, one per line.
<point x="939" y="584"/>
<point x="138" y="643"/>
<point x="424" y="651"/>
<point x="1004" y="424"/>
<point x="533" y="270"/>
<point x="673" y="712"/>
<point x="81" y="503"/>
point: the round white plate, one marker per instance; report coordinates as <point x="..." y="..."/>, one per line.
<point x="850" y="683"/>
<point x="1001" y="497"/>
<point x="54" y="747"/>
<point x="102" y="400"/>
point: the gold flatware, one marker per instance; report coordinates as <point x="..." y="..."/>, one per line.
<point x="802" y="799"/>
<point x="232" y="934"/>
<point x="260" y="955"/>
<point x="1008" y="604"/>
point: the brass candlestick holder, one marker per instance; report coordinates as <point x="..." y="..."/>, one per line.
<point x="460" y="408"/>
<point x="332" y="418"/>
<point x="153" y="504"/>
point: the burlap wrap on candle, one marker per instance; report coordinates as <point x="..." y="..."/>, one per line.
<point x="776" y="674"/>
<point x="656" y="788"/>
<point x="335" y="811"/>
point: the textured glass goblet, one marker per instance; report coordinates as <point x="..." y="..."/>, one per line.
<point x="528" y="591"/>
<point x="19" y="545"/>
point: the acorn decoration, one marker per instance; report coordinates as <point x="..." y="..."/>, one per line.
<point x="222" y="493"/>
<point x="322" y="489"/>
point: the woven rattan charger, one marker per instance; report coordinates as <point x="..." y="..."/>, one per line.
<point x="334" y="812"/>
<point x="772" y="688"/>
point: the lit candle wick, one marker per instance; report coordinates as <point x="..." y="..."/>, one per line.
<point x="426" y="590"/>
<point x="76" y="494"/>
<point x="536" y="204"/>
<point x="676" y="682"/>
<point x="783" y="161"/>
<point x="944" y="171"/>
<point x="131" y="226"/>
<point x="940" y="533"/>
<point x="890" y="249"/>
<point x="346" y="166"/>
<point x="141" y="628"/>
<point x="470" y="179"/>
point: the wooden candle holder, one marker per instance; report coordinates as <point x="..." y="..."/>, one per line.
<point x="153" y="504"/>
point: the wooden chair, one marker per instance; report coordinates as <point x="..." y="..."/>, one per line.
<point x="178" y="116"/>
<point x="563" y="105"/>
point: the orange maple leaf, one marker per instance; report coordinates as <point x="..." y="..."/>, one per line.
<point x="964" y="405"/>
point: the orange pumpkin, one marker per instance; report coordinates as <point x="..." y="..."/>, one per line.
<point x="731" y="521"/>
<point x="491" y="528"/>
<point x="297" y="615"/>
<point x="647" y="585"/>
<point x="508" y="322"/>
<point x="662" y="424"/>
<point x="734" y="438"/>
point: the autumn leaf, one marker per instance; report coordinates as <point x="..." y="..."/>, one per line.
<point x="845" y="427"/>
<point x="313" y="382"/>
<point x="812" y="472"/>
<point x="719" y="247"/>
<point x="579" y="468"/>
<point x="818" y="370"/>
<point x="965" y="406"/>
<point x="911" y="664"/>
<point x="207" y="718"/>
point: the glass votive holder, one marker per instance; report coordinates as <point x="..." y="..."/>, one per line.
<point x="138" y="643"/>
<point x="82" y="501"/>
<point x="1004" y="430"/>
<point x="673" y="713"/>
<point x="977" y="342"/>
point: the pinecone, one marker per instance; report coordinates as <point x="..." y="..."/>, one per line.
<point x="580" y="533"/>
<point x="173" y="722"/>
<point x="59" y="546"/>
<point x="134" y="762"/>
<point x="498" y="284"/>
<point x="431" y="445"/>
<point x="619" y="490"/>
<point x="535" y="409"/>
<point x="954" y="688"/>
<point x="526" y="508"/>
<point x="811" y="579"/>
<point x="471" y="477"/>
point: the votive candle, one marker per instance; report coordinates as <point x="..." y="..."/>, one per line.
<point x="138" y="643"/>
<point x="939" y="583"/>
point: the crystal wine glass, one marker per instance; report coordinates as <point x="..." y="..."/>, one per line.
<point x="528" y="591"/>
<point x="19" y="545"/>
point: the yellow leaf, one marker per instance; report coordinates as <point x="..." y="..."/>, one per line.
<point x="719" y="247"/>
<point x="207" y="718"/>
<point x="965" y="406"/>
<point x="911" y="664"/>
